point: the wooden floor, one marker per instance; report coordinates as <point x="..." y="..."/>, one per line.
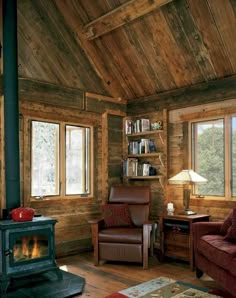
<point x="108" y="278"/>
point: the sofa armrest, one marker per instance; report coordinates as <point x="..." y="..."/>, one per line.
<point x="204" y="228"/>
<point x="200" y="229"/>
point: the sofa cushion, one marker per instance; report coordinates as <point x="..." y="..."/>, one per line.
<point x="217" y="250"/>
<point x="121" y="235"/>
<point x="231" y="233"/>
<point x="226" y="223"/>
<point x="116" y="215"/>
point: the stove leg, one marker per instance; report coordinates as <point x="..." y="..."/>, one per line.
<point x="4" y="284"/>
<point x="59" y="274"/>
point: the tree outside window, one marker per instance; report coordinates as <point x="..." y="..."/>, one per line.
<point x="214" y="155"/>
<point x="60" y="159"/>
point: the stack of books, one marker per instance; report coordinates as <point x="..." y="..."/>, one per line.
<point x="133" y="167"/>
<point x="142" y="146"/>
<point x="136" y="126"/>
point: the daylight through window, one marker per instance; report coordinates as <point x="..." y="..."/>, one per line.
<point x="60" y="159"/>
<point x="213" y="156"/>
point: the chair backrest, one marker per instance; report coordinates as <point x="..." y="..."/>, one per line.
<point x="138" y="199"/>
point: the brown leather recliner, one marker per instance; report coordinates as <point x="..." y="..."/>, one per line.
<point x="130" y="243"/>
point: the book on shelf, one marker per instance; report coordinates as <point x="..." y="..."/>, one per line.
<point x="128" y="126"/>
<point x="145" y="124"/>
<point x="133" y="167"/>
<point x="136" y="126"/>
<point x="142" y="146"/>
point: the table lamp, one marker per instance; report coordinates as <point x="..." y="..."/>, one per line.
<point x="186" y="178"/>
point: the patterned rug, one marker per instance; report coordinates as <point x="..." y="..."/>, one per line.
<point x="163" y="287"/>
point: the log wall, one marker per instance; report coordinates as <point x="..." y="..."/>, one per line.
<point x="194" y="104"/>
<point x="178" y="155"/>
<point x="51" y="102"/>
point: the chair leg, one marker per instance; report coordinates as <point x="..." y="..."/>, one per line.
<point x="152" y="239"/>
<point x="199" y="273"/>
<point x="95" y="244"/>
<point x="146" y="235"/>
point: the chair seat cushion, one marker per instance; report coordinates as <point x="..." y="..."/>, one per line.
<point x="217" y="250"/>
<point x="121" y="235"/>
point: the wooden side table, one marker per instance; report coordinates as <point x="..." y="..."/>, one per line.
<point x="176" y="236"/>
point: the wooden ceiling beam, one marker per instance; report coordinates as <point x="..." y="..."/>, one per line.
<point x="119" y="16"/>
<point x="202" y="93"/>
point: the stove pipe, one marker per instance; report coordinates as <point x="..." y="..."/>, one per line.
<point x="11" y="105"/>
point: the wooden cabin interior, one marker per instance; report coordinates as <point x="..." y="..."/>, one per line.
<point x="98" y="64"/>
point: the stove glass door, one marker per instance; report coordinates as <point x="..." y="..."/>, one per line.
<point x="29" y="246"/>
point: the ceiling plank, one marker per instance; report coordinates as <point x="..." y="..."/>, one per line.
<point x="119" y="16"/>
<point x="110" y="83"/>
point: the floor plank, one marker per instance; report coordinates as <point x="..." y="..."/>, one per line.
<point x="108" y="278"/>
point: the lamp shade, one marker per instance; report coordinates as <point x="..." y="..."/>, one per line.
<point x="187" y="177"/>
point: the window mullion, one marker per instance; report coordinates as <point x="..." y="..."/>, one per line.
<point x="62" y="161"/>
<point x="227" y="158"/>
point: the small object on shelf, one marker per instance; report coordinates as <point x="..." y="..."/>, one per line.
<point x="157" y="125"/>
<point x="170" y="209"/>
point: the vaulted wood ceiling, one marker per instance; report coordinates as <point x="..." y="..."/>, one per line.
<point x="151" y="50"/>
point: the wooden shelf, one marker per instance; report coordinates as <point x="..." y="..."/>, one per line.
<point x="144" y="177"/>
<point x="148" y="132"/>
<point x="158" y="177"/>
<point x="153" y="154"/>
<point x="156" y="159"/>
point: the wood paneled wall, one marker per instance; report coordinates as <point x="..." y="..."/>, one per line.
<point x="204" y="102"/>
<point x="50" y="102"/>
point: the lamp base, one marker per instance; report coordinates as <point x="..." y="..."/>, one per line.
<point x="187" y="212"/>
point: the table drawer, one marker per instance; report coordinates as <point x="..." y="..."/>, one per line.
<point x="178" y="239"/>
<point x="177" y="252"/>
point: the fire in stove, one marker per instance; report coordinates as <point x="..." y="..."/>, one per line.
<point x="30" y="247"/>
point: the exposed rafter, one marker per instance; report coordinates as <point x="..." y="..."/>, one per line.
<point x="119" y="16"/>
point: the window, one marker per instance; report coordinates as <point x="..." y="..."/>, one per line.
<point x="213" y="155"/>
<point x="60" y="159"/>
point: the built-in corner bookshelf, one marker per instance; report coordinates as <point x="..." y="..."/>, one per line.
<point x="145" y="147"/>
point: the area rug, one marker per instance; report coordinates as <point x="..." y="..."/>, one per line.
<point x="46" y="285"/>
<point x="163" y="287"/>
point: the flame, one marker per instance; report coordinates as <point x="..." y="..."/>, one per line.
<point x="17" y="251"/>
<point x="29" y="247"/>
<point x="36" y="249"/>
<point x="25" y="247"/>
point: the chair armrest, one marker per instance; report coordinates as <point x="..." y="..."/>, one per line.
<point x="149" y="229"/>
<point x="95" y="220"/>
<point x="96" y="224"/>
<point x="149" y="223"/>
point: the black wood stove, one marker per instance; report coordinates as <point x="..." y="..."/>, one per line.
<point x="26" y="248"/>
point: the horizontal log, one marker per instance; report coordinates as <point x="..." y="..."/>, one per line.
<point x="50" y="93"/>
<point x="212" y="91"/>
<point x="72" y="247"/>
<point x="96" y="105"/>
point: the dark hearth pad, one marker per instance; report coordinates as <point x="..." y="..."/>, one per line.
<point x="46" y="285"/>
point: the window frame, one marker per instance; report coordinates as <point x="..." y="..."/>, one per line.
<point x="62" y="159"/>
<point x="227" y="152"/>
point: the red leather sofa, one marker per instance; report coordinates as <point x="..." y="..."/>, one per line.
<point x="214" y="255"/>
